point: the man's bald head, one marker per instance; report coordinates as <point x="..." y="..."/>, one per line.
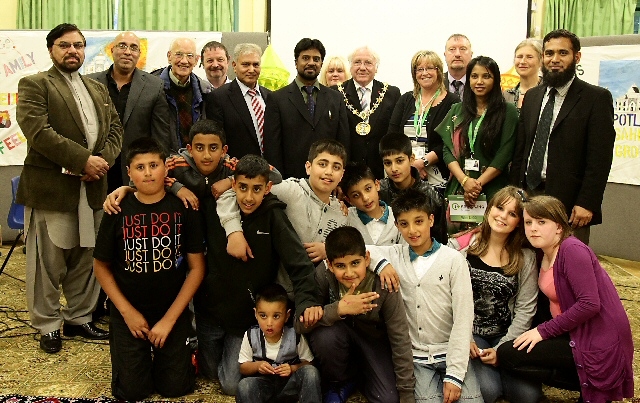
<point x="126" y="52"/>
<point x="182" y="57"/>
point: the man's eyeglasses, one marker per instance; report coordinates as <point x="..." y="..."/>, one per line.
<point x="190" y="56"/>
<point x="123" y="47"/>
<point x="67" y="45"/>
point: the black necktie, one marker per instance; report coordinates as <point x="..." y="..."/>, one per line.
<point x="536" y="159"/>
<point x="311" y="103"/>
<point x="457" y="84"/>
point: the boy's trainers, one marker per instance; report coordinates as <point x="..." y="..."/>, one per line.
<point x="339" y="393"/>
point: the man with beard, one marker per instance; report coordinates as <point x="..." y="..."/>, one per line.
<point x="139" y="99"/>
<point x="457" y="54"/>
<point x="215" y="61"/>
<point x="370" y="104"/>
<point x="302" y="113"/>
<point x="74" y="136"/>
<point x="239" y="105"/>
<point x="565" y="136"/>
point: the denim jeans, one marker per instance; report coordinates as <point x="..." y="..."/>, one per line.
<point x="495" y="382"/>
<point x="303" y="385"/>
<point x="429" y="384"/>
<point x="218" y="353"/>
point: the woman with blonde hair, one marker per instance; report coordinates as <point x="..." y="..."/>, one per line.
<point x="505" y="293"/>
<point x="588" y="336"/>
<point x="334" y="71"/>
<point x="420" y="111"/>
<point x="527" y="61"/>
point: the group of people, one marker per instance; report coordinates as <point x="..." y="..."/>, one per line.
<point x="238" y="203"/>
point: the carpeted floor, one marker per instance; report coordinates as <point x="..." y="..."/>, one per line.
<point x="83" y="370"/>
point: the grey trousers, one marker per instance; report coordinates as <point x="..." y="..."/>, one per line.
<point x="50" y="268"/>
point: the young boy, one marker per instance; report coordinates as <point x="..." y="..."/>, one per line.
<point x="273" y="359"/>
<point x="311" y="208"/>
<point x="397" y="158"/>
<point x="364" y="329"/>
<point x="436" y="289"/>
<point x="224" y="304"/>
<point x="371" y="216"/>
<point x="201" y="170"/>
<point x="136" y="262"/>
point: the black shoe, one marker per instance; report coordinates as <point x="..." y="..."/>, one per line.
<point x="88" y="331"/>
<point x="51" y="342"/>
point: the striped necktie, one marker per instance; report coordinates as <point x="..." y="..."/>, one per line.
<point x="364" y="104"/>
<point x="259" y="113"/>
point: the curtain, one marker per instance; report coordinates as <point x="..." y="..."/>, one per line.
<point x="590" y="17"/>
<point x="46" y="14"/>
<point x="177" y="15"/>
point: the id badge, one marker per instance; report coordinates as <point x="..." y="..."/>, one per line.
<point x="418" y="151"/>
<point x="471" y="164"/>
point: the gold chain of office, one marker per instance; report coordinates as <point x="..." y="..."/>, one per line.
<point x="363" y="128"/>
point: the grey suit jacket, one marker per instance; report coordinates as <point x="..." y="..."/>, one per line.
<point x="49" y="118"/>
<point x="146" y="113"/>
<point x="227" y="105"/>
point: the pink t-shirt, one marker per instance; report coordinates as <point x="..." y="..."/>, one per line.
<point x="545" y="282"/>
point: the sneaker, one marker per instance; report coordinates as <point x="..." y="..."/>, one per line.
<point x="339" y="393"/>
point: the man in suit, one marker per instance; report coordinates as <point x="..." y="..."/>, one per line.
<point x="302" y="113"/>
<point x="74" y="136"/>
<point x="565" y="137"/>
<point x="214" y="59"/>
<point x="183" y="89"/>
<point x="139" y="100"/>
<point x="240" y="104"/>
<point x="370" y="103"/>
<point x="457" y="54"/>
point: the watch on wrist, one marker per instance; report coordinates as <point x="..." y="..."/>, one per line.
<point x="426" y="161"/>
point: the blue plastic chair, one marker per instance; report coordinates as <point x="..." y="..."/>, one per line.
<point x="15" y="219"/>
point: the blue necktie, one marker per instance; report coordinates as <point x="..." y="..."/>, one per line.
<point x="311" y="103"/>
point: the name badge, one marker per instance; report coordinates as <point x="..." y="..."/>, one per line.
<point x="418" y="151"/>
<point x="471" y="164"/>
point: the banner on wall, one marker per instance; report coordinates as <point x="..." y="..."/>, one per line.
<point x="616" y="67"/>
<point x="23" y="53"/>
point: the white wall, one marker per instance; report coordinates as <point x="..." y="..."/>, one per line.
<point x="396" y="29"/>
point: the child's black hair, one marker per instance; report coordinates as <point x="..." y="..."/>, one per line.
<point x="252" y="166"/>
<point x="208" y="126"/>
<point x="411" y="199"/>
<point x="353" y="174"/>
<point x="272" y="293"/>
<point x="395" y="143"/>
<point x="145" y="145"/>
<point x="344" y="241"/>
<point x="330" y="146"/>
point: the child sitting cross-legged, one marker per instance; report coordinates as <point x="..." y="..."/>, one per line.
<point x="438" y="300"/>
<point x="363" y="335"/>
<point x="274" y="360"/>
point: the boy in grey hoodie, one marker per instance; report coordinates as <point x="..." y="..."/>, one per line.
<point x="311" y="208"/>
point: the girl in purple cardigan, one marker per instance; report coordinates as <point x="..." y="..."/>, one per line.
<point x="589" y="333"/>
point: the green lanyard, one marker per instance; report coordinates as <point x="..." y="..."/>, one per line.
<point x="473" y="132"/>
<point x="419" y="121"/>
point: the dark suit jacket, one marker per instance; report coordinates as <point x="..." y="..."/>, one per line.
<point x="365" y="148"/>
<point x="146" y="113"/>
<point x="50" y="120"/>
<point x="227" y="105"/>
<point x="406" y="107"/>
<point x="289" y="130"/>
<point x="580" y="145"/>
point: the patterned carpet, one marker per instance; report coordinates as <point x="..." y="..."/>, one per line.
<point x="83" y="370"/>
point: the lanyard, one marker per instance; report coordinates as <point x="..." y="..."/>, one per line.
<point x="419" y="121"/>
<point x="473" y="134"/>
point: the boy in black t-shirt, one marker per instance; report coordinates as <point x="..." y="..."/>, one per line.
<point x="137" y="261"/>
